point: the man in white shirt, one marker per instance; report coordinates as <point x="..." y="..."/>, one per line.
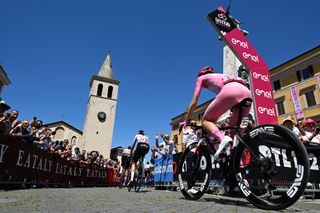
<point x="167" y="146"/>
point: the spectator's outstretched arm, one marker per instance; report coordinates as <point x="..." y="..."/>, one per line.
<point x="166" y="140"/>
<point x="157" y="140"/>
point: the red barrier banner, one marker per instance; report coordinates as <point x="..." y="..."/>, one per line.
<point x="21" y="159"/>
<point x="261" y="86"/>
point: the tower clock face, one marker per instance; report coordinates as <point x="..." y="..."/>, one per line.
<point x="102" y="116"/>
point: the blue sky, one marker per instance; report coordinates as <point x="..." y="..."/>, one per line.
<point x="50" y="50"/>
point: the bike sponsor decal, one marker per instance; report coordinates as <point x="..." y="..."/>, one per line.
<point x="180" y="182"/>
<point x="262" y="130"/>
<point x="241" y="182"/>
<point x="203" y="163"/>
<point x="265" y="94"/>
<point x="285" y="158"/>
<point x="313" y="162"/>
<point x="297" y="181"/>
<point x="204" y="182"/>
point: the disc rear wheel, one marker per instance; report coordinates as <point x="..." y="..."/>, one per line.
<point x="273" y="167"/>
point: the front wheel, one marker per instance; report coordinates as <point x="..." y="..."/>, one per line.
<point x="272" y="167"/>
<point x="194" y="172"/>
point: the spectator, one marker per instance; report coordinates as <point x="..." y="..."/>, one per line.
<point x="62" y="148"/>
<point x="52" y="147"/>
<point x="22" y="131"/>
<point x="82" y="157"/>
<point x="76" y="154"/>
<point x="167" y="146"/>
<point x="9" y="121"/>
<point x="154" y="155"/>
<point x="288" y="122"/>
<point x="3" y="117"/>
<point x="311" y="132"/>
<point x="3" y="107"/>
<point x="45" y="140"/>
<point x="13" y="118"/>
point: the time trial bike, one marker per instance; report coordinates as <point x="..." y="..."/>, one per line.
<point x="268" y="164"/>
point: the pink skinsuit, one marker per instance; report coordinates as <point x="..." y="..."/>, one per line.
<point x="230" y="91"/>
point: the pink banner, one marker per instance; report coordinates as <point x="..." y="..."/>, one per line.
<point x="296" y="102"/>
<point x="261" y="86"/>
<point x="260" y="79"/>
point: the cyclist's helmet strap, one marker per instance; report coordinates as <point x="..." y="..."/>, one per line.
<point x="205" y="70"/>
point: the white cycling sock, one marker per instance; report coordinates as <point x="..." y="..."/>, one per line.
<point x="222" y="145"/>
<point x="125" y="179"/>
<point x="132" y="176"/>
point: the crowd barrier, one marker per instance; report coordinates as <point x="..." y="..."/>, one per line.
<point x="22" y="161"/>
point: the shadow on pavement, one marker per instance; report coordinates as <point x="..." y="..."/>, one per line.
<point x="143" y="191"/>
<point x="226" y="201"/>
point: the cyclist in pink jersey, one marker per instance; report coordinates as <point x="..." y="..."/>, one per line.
<point x="230" y="92"/>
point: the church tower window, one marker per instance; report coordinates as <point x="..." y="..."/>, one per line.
<point x="110" y="90"/>
<point x="99" y="91"/>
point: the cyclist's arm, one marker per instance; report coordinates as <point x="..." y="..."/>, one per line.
<point x="192" y="106"/>
<point x="133" y="144"/>
<point x="194" y="101"/>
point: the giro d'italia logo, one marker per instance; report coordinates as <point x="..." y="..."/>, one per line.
<point x="222" y="16"/>
<point x="221" y="19"/>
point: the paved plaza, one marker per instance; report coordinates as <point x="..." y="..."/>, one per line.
<point x="112" y="199"/>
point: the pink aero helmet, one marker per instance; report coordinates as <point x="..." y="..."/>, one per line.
<point x="205" y="70"/>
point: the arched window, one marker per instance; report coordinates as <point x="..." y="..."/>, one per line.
<point x="110" y="90"/>
<point x="59" y="133"/>
<point x="99" y="91"/>
<point x="74" y="140"/>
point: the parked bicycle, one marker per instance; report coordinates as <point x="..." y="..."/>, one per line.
<point x="268" y="164"/>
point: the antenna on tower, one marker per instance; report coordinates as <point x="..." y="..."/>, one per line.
<point x="228" y="8"/>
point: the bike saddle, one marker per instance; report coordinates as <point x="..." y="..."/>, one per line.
<point x="244" y="103"/>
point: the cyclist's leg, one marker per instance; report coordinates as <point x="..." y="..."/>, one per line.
<point x="133" y="164"/>
<point x="236" y="111"/>
<point x="122" y="176"/>
<point x="215" y="109"/>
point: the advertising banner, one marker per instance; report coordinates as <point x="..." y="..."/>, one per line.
<point x="21" y="159"/>
<point x="296" y="102"/>
<point x="261" y="86"/>
<point x="163" y="169"/>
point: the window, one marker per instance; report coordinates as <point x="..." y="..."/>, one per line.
<point x="280" y="106"/>
<point x="73" y="140"/>
<point x="110" y="90"/>
<point x="59" y="133"/>
<point x="311" y="101"/>
<point x="276" y="85"/>
<point x="305" y="73"/>
<point x="309" y="97"/>
<point x="99" y="91"/>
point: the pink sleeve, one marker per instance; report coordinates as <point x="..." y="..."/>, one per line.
<point x="197" y="90"/>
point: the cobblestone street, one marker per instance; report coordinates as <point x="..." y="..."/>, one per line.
<point x="120" y="200"/>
